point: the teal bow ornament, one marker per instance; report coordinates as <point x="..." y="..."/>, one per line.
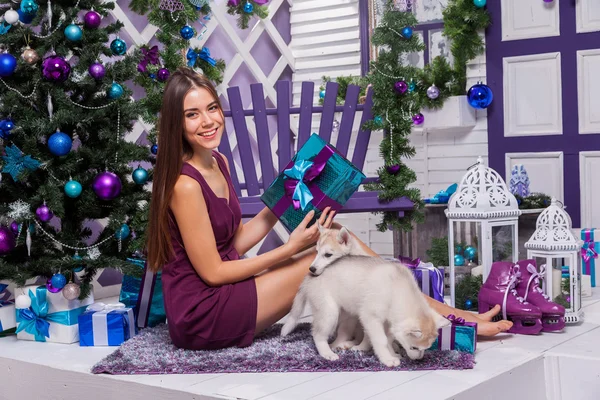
<point x="204" y="54"/>
<point x="35" y="320"/>
<point x="295" y="186"/>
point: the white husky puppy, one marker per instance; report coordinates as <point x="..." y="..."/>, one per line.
<point x="344" y="282"/>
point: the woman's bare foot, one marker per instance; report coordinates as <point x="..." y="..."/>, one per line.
<point x="486" y="328"/>
<point x="487" y="316"/>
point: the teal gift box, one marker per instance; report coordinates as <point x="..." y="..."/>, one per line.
<point x="144" y="295"/>
<point x="459" y="335"/>
<point x="589" y="254"/>
<point x="318" y="176"/>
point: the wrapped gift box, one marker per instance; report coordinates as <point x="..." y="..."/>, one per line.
<point x="589" y="254"/>
<point x="106" y="325"/>
<point x="317" y="177"/>
<point x="7" y="315"/>
<point x="51" y="317"/>
<point x="429" y="278"/>
<point x="459" y="335"/>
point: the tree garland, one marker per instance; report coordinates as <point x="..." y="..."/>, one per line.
<point x="246" y="10"/>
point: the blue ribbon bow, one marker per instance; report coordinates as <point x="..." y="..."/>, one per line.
<point x="297" y="173"/>
<point x="204" y="54"/>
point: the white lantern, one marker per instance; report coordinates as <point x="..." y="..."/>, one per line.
<point x="483" y="200"/>
<point x="554" y="245"/>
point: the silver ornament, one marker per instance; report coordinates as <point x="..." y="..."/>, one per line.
<point x="71" y="291"/>
<point x="19" y="211"/>
<point x="471" y="264"/>
<point x="433" y="92"/>
<point x="50" y="106"/>
<point x="28" y="242"/>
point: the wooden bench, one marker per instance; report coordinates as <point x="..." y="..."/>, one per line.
<point x="361" y="201"/>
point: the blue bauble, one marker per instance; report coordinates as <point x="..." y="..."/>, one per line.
<point x="154" y="149"/>
<point x="468" y="304"/>
<point x="118" y="47"/>
<point x="479" y="3"/>
<point x="58" y="281"/>
<point x="123" y="232"/>
<point x="378" y="120"/>
<point x="140" y="176"/>
<point x="470" y="253"/>
<point x="29" y="7"/>
<point x="114" y="91"/>
<point x="187" y="32"/>
<point x="480" y="96"/>
<point x="24" y="17"/>
<point x="73" y="33"/>
<point x="152" y="76"/>
<point x="8" y="64"/>
<point x="248" y="8"/>
<point x="73" y="189"/>
<point x="6" y="126"/>
<point x="322" y="94"/>
<point x="458" y="249"/>
<point x="407" y="32"/>
<point x="459" y="260"/>
<point x="60" y="144"/>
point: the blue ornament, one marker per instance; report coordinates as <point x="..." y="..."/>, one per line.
<point x="8" y="64"/>
<point x="58" y="281"/>
<point x="24" y="17"/>
<point x="140" y="176"/>
<point x="378" y="120"/>
<point x="77" y="257"/>
<point x="468" y="304"/>
<point x="470" y="253"/>
<point x="29" y="7"/>
<point x="458" y="249"/>
<point x="480" y="96"/>
<point x="60" y="144"/>
<point x="73" y="189"/>
<point x="479" y="3"/>
<point x="6" y="126"/>
<point x="407" y="32"/>
<point x="15" y="162"/>
<point x="123" y="232"/>
<point x="187" y="32"/>
<point x="248" y="8"/>
<point x="322" y="94"/>
<point x="114" y="91"/>
<point x="152" y="76"/>
<point x="73" y="33"/>
<point x="459" y="260"/>
<point x="154" y="149"/>
<point x="118" y="47"/>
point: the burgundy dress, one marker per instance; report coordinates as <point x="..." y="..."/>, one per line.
<point x="200" y="316"/>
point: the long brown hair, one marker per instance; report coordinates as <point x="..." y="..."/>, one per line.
<point x="172" y="149"/>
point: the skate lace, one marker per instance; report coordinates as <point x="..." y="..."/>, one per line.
<point x="535" y="277"/>
<point x="515" y="274"/>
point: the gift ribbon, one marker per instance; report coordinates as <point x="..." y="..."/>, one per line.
<point x="589" y="254"/>
<point x="150" y="57"/>
<point x="447" y="334"/>
<point x="426" y="285"/>
<point x="536" y="276"/>
<point x="204" y="54"/>
<point x="300" y="186"/>
<point x="111" y="323"/>
<point x="35" y="320"/>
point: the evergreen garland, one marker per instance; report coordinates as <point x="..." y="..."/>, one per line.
<point x="241" y="9"/>
<point x="533" y="201"/>
<point x="468" y="289"/>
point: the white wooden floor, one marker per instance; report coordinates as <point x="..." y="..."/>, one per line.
<point x="549" y="366"/>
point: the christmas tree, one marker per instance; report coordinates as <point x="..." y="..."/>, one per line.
<point x="72" y="196"/>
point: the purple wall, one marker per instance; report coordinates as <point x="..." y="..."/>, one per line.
<point x="570" y="142"/>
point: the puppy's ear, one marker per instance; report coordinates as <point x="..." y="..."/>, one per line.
<point x="343" y="236"/>
<point x="415" y="332"/>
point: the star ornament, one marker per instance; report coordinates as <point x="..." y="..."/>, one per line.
<point x="16" y="162"/>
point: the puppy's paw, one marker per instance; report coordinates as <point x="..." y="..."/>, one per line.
<point x="343" y="345"/>
<point x="286" y="329"/>
<point x="331" y="357"/>
<point x="361" y="347"/>
<point x="390" y="361"/>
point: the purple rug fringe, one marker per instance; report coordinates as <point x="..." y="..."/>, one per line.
<point x="151" y="352"/>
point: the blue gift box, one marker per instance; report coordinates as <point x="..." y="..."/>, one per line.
<point x="459" y="335"/>
<point x="106" y="325"/>
<point x="318" y="176"/>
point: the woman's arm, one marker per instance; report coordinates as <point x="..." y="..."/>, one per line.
<point x="249" y="234"/>
<point x="189" y="207"/>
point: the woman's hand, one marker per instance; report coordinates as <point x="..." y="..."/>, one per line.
<point x="302" y="236"/>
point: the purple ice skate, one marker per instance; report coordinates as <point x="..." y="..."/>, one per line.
<point x="553" y="315"/>
<point x="500" y="288"/>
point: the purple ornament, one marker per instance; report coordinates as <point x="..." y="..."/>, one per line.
<point x="51" y="288"/>
<point x="92" y="20"/>
<point x="107" y="185"/>
<point x="43" y="213"/>
<point x="14" y="226"/>
<point x="7" y="240"/>
<point x="56" y="69"/>
<point x="393" y="169"/>
<point x="548" y="1"/>
<point x="418" y="119"/>
<point x="163" y="74"/>
<point x="97" y="70"/>
<point x="401" y="87"/>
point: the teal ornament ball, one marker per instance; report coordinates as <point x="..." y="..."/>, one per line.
<point x="77" y="257"/>
<point x="140" y="176"/>
<point x="470" y="253"/>
<point x="407" y="32"/>
<point x="378" y="120"/>
<point x="123" y="232"/>
<point x="118" y="47"/>
<point x="114" y="91"/>
<point x="322" y="94"/>
<point x="459" y="260"/>
<point x="458" y="249"/>
<point x="187" y="32"/>
<point x="248" y="8"/>
<point x="479" y="3"/>
<point x="73" y="33"/>
<point x="73" y="189"/>
<point x="58" y="281"/>
<point x="29" y="6"/>
<point x="60" y="144"/>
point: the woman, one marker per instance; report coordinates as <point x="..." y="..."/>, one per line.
<point x="214" y="299"/>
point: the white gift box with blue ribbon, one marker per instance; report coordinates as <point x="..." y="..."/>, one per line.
<point x="106" y="325"/>
<point x="51" y="317"/>
<point x="7" y="315"/>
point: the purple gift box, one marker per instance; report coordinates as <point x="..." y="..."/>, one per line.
<point x="429" y="278"/>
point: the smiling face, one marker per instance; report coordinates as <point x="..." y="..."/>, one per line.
<point x="203" y="119"/>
